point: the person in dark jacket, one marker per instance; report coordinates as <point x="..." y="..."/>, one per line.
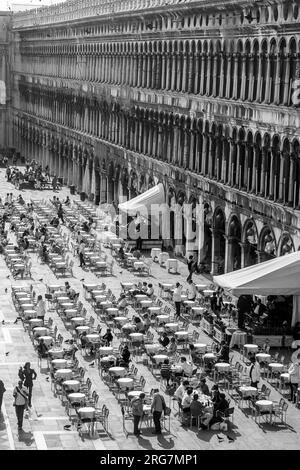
<point x="108" y="337"/>
<point x="2" y="391"/>
<point x="28" y="375"/>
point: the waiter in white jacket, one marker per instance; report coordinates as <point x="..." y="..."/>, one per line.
<point x="254" y="372"/>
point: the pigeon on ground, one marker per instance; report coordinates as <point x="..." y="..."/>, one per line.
<point x="7" y="353"/>
<point x="230" y="439"/>
<point x="220" y="438"/>
<point x="3" y="322"/>
<point x="8" y="277"/>
<point x="16" y="321"/>
<point x="121" y="272"/>
<point x="40" y="280"/>
<point x="47" y="378"/>
<point x="67" y="428"/>
<point x="6" y="290"/>
<point x="67" y="341"/>
<point x="82" y="280"/>
<point x="92" y="364"/>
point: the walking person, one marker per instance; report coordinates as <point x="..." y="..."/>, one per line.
<point x="60" y="213"/>
<point x="20" y="395"/>
<point x="81" y="254"/>
<point x="191" y="267"/>
<point x="294" y="379"/>
<point x="41" y="308"/>
<point x="28" y="375"/>
<point x="137" y="412"/>
<point x="177" y="299"/>
<point x="157" y="407"/>
<point x="2" y="391"/>
<point x="54" y="183"/>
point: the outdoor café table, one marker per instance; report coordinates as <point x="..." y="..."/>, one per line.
<point x="222" y="366"/>
<point x="200" y="347"/>
<point x="146" y="303"/>
<point x="125" y="382"/>
<point x="128" y="328"/>
<point x="117" y="371"/>
<point x="172" y="326"/>
<point x="253" y="348"/>
<point x="20" y="267"/>
<point x="152" y="348"/>
<point x="162" y="319"/>
<point x="127" y="285"/>
<point x="108" y="359"/>
<point x="93" y="338"/>
<point x="209" y="357"/>
<point x="81" y="328"/>
<point x="263" y="357"/>
<point x="25" y="300"/>
<point x="134" y="394"/>
<point x="64" y="374"/>
<point x="62" y="298"/>
<point x="172" y="264"/>
<point x="73" y="385"/>
<point x="59" y="363"/>
<point x="238" y="338"/>
<point x="54" y="287"/>
<point x="181" y="334"/>
<point x="137" y="337"/>
<point x="29" y="313"/>
<point x="35" y="322"/>
<point x="275" y="367"/>
<point x="40" y="331"/>
<point x="140" y="297"/>
<point x="155" y="252"/>
<point x="162" y="257"/>
<point x="47" y="340"/>
<point x="200" y="287"/>
<point x="154" y="310"/>
<point x="247" y="391"/>
<point x="101" y="264"/>
<point x="78" y="321"/>
<point x="67" y="305"/>
<point x="189" y="303"/>
<point x="87" y="413"/>
<point x="70" y="312"/>
<point x="197" y="311"/>
<point x="105" y="350"/>
<point x="183" y="297"/>
<point x="60" y="265"/>
<point x="265" y="406"/>
<point x="106" y="304"/>
<point x="99" y="298"/>
<point x="138" y="264"/>
<point x="159" y="358"/>
<point x="56" y="353"/>
<point x="112" y="311"/>
<point x="76" y="397"/>
<point x="88" y="288"/>
<point x="98" y="292"/>
<point x="25" y="307"/>
<point x="120" y="320"/>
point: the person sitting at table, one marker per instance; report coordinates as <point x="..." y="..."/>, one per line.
<point x="67" y="201"/>
<point x="164" y="340"/>
<point x="122" y="302"/>
<point x="195" y="354"/>
<point x="223" y="354"/>
<point x="147" y="322"/>
<point x="121" y="253"/>
<point x="45" y="254"/>
<point x="191" y="290"/>
<point x="219" y="408"/>
<point x="187" y="367"/>
<point x="204" y="387"/>
<point x="136" y="254"/>
<point x="196" y="407"/>
<point x="42" y="349"/>
<point x="20" y="200"/>
<point x="180" y="391"/>
<point x="55" y="222"/>
<point x="125" y="357"/>
<point x="215" y="392"/>
<point x="108" y="337"/>
<point x="140" y="327"/>
<point x="84" y="342"/>
<point x="149" y="291"/>
<point x="165" y="370"/>
<point x="85" y="227"/>
<point x="71" y="349"/>
<point x="172" y="347"/>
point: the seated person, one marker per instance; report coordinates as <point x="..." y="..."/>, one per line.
<point x="45" y="254"/>
<point x="187" y="367"/>
<point x="219" y="408"/>
<point x="144" y="288"/>
<point x="122" y="302"/>
<point x="136" y="254"/>
<point x="172" y="347"/>
<point x="196" y="407"/>
<point x="164" y="340"/>
<point x="223" y="354"/>
<point x="165" y="370"/>
<point x="186" y="404"/>
<point x="67" y="202"/>
<point x="150" y="290"/>
<point x="125" y="357"/>
<point x="121" y="253"/>
<point x="42" y="349"/>
<point x="215" y="392"/>
<point x="147" y="322"/>
<point x="204" y="387"/>
<point x="180" y="391"/>
<point x="71" y="349"/>
<point x="140" y="327"/>
<point x="195" y="355"/>
<point x="20" y="199"/>
<point x="55" y="222"/>
<point x="108" y="337"/>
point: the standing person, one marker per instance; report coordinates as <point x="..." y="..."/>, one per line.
<point x="191" y="290"/>
<point x="137" y="412"/>
<point x="54" y="183"/>
<point x="81" y="254"/>
<point x="60" y="213"/>
<point x="20" y="395"/>
<point x="28" y="375"/>
<point x="177" y="299"/>
<point x="294" y="379"/>
<point x="157" y="407"/>
<point x="2" y="391"/>
<point x="191" y="267"/>
<point x="254" y="372"/>
<point x="41" y="308"/>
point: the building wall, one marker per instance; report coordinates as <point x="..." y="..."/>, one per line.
<point x="200" y="97"/>
<point x="4" y="78"/>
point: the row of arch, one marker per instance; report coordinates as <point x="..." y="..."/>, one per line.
<point x="263" y="164"/>
<point x="251" y="70"/>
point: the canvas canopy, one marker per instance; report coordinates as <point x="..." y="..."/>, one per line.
<point x="155" y="195"/>
<point x="274" y="277"/>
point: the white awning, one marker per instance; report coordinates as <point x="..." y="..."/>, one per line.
<point x="155" y="195"/>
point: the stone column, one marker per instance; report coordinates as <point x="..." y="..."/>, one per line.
<point x="184" y="84"/>
<point x="196" y="74"/>
<point x="191" y="80"/>
<point x="103" y="188"/>
<point x="228" y="78"/>
<point x="214" y="77"/>
<point x="213" y="254"/>
<point x="277" y="79"/>
<point x="244" y="78"/>
<point x="292" y="181"/>
<point x="202" y="73"/>
<point x="236" y="57"/>
<point x="229" y="260"/>
<point x="208" y="77"/>
<point x="221" y="86"/>
<point x="259" y="79"/>
<point x="287" y="60"/>
<point x="174" y="71"/>
<point x="266" y="98"/>
<point x="251" y="78"/>
<point x="204" y="154"/>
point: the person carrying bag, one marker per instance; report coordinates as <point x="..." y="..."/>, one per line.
<point x="157" y="407"/>
<point x="20" y="395"/>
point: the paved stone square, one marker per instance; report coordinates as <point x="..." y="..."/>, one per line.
<point x="45" y="427"/>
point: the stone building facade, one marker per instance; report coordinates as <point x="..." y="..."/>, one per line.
<point x="4" y="79"/>
<point x="202" y="96"/>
